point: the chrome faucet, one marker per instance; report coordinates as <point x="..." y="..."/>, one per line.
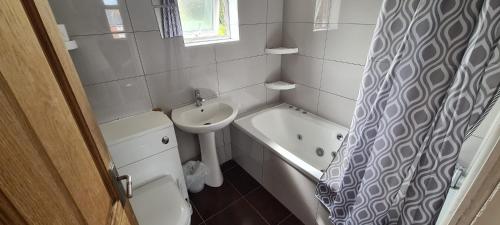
<point x="197" y="98"/>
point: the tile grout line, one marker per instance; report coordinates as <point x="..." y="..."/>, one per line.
<point x="139" y="56"/>
<point x="230" y="204"/>
<point x="199" y="214"/>
<point x="256" y="211"/>
<point x="146" y="31"/>
<point x="284" y="219"/>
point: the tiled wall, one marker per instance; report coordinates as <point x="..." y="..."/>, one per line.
<point x="136" y="71"/>
<point x="329" y="66"/>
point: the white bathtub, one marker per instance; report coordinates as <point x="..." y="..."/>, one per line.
<point x="297" y="136"/>
<point x="279" y="147"/>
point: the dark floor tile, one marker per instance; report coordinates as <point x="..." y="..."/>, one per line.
<point x="243" y="182"/>
<point x="291" y="220"/>
<point x="212" y="200"/>
<point x="228" y="165"/>
<point x="241" y="213"/>
<point x="268" y="206"/>
<point x="195" y="217"/>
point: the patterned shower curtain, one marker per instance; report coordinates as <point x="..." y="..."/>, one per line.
<point x="171" y="19"/>
<point x="432" y="73"/>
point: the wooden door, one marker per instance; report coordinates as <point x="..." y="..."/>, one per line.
<point x="53" y="161"/>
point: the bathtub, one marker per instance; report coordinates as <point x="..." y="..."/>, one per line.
<point x="285" y="149"/>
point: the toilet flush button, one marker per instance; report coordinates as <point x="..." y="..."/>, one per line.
<point x="165" y="140"/>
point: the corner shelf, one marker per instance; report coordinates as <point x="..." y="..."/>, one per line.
<point x="282" y="51"/>
<point x="279" y="85"/>
<point x="70" y="45"/>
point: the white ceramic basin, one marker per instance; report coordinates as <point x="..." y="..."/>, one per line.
<point x="204" y="120"/>
<point x="211" y="116"/>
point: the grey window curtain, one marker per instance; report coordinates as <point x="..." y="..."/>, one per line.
<point x="432" y="73"/>
<point x="171" y="20"/>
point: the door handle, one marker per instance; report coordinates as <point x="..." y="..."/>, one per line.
<point x="128" y="179"/>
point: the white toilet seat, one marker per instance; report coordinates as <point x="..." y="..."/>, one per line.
<point x="161" y="203"/>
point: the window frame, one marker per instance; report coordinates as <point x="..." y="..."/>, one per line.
<point x="212" y="37"/>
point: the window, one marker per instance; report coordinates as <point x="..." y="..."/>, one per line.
<point x="209" y="21"/>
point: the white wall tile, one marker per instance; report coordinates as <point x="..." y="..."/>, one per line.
<point x="303" y="97"/>
<point x="273" y="96"/>
<point x="102" y="58"/>
<point x="227" y="134"/>
<point x="142" y="15"/>
<point x="341" y="78"/>
<point x="189" y="146"/>
<point x="175" y="88"/>
<point x="160" y="55"/>
<point x="241" y="73"/>
<point x="275" y="11"/>
<point x="302" y="36"/>
<point x="117" y="99"/>
<point x="273" y="68"/>
<point x="247" y="98"/>
<point x="252" y="42"/>
<point x="252" y="11"/>
<point x="221" y="155"/>
<point x="89" y="16"/>
<point x="303" y="70"/>
<point x="219" y="138"/>
<point x="298" y="11"/>
<point x="274" y="35"/>
<point x="228" y="150"/>
<point x="336" y="108"/>
<point x="349" y="43"/>
<point x="468" y="151"/>
<point x="356" y="11"/>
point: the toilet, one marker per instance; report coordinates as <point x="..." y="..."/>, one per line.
<point x="145" y="147"/>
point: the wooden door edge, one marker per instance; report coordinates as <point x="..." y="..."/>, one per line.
<point x="44" y="26"/>
<point x="60" y="75"/>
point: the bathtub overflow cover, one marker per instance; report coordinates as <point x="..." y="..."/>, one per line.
<point x="339" y="137"/>
<point x="320" y="151"/>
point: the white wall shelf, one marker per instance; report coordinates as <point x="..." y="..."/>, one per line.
<point x="282" y="51"/>
<point x="280" y="85"/>
<point x="70" y="45"/>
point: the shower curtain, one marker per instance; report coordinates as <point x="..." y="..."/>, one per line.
<point x="171" y="19"/>
<point x="432" y="73"/>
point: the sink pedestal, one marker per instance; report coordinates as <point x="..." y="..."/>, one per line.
<point x="209" y="158"/>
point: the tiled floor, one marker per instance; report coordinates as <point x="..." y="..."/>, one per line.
<point x="241" y="200"/>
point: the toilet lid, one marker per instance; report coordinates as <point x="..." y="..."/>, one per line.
<point x="160" y="203"/>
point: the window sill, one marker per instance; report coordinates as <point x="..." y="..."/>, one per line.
<point x="209" y="42"/>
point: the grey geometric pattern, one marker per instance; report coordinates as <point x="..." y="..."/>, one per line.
<point x="171" y="22"/>
<point x="432" y="73"/>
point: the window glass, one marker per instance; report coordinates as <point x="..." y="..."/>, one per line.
<point x="208" y="21"/>
<point x="197" y="15"/>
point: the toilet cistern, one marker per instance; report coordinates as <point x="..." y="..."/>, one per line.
<point x="204" y="120"/>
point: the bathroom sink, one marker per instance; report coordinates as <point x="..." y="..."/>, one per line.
<point x="213" y="115"/>
<point x="204" y="118"/>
